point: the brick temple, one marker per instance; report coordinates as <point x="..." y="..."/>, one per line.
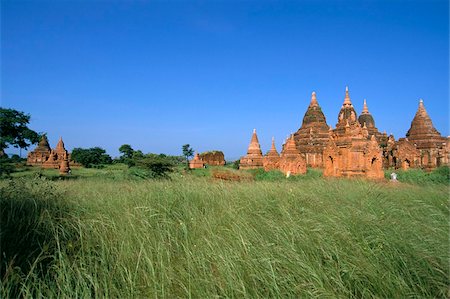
<point x="45" y="157"/>
<point x="355" y="147"/>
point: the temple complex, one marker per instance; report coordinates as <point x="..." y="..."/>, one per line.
<point x="355" y="147"/>
<point x="213" y="158"/>
<point x="197" y="162"/>
<point x="271" y="160"/>
<point x="351" y="151"/>
<point x="312" y="137"/>
<point x="45" y="157"/>
<point x="432" y="146"/>
<point x="254" y="157"/>
<point x="291" y="160"/>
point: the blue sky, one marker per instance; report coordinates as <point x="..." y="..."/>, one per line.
<point x="160" y="74"/>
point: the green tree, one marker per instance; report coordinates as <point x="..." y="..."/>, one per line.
<point x="91" y="157"/>
<point x="188" y="152"/>
<point x="14" y="130"/>
<point x="158" y="165"/>
<point x="126" y="150"/>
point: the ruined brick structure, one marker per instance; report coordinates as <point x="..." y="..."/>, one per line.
<point x="213" y="158"/>
<point x="197" y="162"/>
<point x="46" y="157"/>
<point x="312" y="137"/>
<point x="351" y="151"/>
<point x="254" y="157"/>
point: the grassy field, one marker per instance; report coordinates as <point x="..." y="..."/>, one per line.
<point x="106" y="233"/>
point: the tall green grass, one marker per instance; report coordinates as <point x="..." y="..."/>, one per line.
<point x="191" y="237"/>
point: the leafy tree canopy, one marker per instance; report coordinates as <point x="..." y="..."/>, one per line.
<point x="126" y="150"/>
<point x="91" y="157"/>
<point x="14" y="130"/>
<point x="188" y="152"/>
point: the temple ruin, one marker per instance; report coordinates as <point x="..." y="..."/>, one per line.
<point x="213" y="158"/>
<point x="197" y="162"/>
<point x="45" y="157"/>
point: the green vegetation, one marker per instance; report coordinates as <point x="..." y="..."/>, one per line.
<point x="439" y="175"/>
<point x="109" y="234"/>
<point x="91" y="157"/>
<point x="14" y="130"/>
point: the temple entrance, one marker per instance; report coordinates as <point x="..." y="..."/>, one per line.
<point x="406" y="164"/>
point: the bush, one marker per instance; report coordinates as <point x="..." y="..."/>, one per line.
<point x="91" y="157"/>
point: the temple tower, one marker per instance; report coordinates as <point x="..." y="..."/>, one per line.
<point x="254" y="157"/>
<point x="431" y="144"/>
<point x="271" y="160"/>
<point x="312" y="136"/>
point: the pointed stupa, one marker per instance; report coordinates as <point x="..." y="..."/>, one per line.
<point x="254" y="157"/>
<point x="422" y="131"/>
<point x="289" y="147"/>
<point x="314" y="116"/>
<point x="43" y="145"/>
<point x="273" y="150"/>
<point x="346" y="114"/>
<point x="60" y="145"/>
<point x="312" y="144"/>
<point x="347" y="101"/>
<point x="366" y="117"/>
<point x="254" y="147"/>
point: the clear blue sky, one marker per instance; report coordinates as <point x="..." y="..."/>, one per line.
<point x="159" y="74"/>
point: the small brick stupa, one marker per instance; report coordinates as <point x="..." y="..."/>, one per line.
<point x="291" y="160"/>
<point x="431" y="144"/>
<point x="271" y="160"/>
<point x="64" y="167"/>
<point x="349" y="151"/>
<point x="312" y="137"/>
<point x="254" y="157"/>
<point x="197" y="162"/>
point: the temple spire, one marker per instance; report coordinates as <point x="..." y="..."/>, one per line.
<point x="365" y="108"/>
<point x="347" y="101"/>
<point x="313" y="100"/>
<point x="60" y="145"/>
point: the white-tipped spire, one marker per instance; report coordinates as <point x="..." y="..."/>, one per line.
<point x="347" y="101"/>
